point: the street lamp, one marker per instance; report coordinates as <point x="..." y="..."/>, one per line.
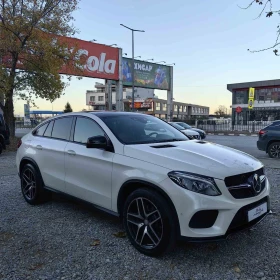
<point x="170" y="64"/>
<point x="137" y="56"/>
<point x="149" y="59"/>
<point x="132" y="30"/>
<point x="93" y="40"/>
<point x="160" y="62"/>
<point x="112" y="45"/>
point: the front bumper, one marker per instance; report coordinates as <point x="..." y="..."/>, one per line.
<point x="232" y="213"/>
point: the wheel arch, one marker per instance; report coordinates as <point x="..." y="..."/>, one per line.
<point x="271" y="142"/>
<point x="26" y="160"/>
<point x="131" y="185"/>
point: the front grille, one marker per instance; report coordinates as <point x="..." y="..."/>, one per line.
<point x="242" y="185"/>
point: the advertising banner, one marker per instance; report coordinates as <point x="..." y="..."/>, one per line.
<point x="144" y="103"/>
<point x="146" y="74"/>
<point x="99" y="61"/>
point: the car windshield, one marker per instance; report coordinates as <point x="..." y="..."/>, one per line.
<point x="141" y="129"/>
<point x="184" y="125"/>
<point x="177" y="126"/>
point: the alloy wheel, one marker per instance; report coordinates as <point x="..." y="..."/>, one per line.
<point x="144" y="223"/>
<point x="275" y="151"/>
<point x="28" y="184"/>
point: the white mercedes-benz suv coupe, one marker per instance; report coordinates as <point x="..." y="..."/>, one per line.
<point x="162" y="185"/>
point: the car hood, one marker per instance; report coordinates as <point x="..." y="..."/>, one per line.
<point x="198" y="130"/>
<point x="189" y="132"/>
<point x="198" y="157"/>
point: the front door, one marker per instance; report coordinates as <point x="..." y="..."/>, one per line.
<point x="88" y="172"/>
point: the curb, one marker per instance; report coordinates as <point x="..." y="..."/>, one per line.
<point x="233" y="134"/>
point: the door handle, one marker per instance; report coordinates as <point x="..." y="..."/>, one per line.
<point x="71" y="152"/>
<point x="39" y="147"/>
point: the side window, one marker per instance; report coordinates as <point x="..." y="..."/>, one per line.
<point x="48" y="132"/>
<point x="86" y="128"/>
<point x="61" y="128"/>
<point x="40" y="131"/>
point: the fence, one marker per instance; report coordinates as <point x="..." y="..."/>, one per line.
<point x="20" y="124"/>
<point x="226" y="125"/>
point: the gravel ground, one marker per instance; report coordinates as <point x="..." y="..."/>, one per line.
<point x="63" y="239"/>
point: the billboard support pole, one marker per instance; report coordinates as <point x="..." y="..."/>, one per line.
<point x="110" y="95"/>
<point x="132" y="103"/>
<point x="119" y="88"/>
<point x="170" y="97"/>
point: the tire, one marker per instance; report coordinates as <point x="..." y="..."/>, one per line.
<point x="154" y="234"/>
<point x="32" y="186"/>
<point x="274" y="150"/>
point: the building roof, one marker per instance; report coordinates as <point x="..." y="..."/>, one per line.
<point x="257" y="84"/>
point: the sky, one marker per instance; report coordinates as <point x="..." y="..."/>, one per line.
<point x="208" y="41"/>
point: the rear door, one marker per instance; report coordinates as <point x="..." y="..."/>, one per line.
<point x="88" y="172"/>
<point x="49" y="144"/>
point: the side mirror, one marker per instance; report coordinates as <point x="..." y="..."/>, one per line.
<point x="99" y="142"/>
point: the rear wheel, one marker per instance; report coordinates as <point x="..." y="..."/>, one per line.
<point x="32" y="186"/>
<point x="149" y="222"/>
<point x="274" y="150"/>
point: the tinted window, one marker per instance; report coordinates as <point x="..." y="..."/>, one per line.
<point x="48" y="132"/>
<point x="177" y="126"/>
<point x="40" y="131"/>
<point x="184" y="125"/>
<point x="61" y="128"/>
<point x="141" y="129"/>
<point x="86" y="128"/>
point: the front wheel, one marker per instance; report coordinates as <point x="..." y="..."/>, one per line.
<point x="274" y="150"/>
<point x="149" y="222"/>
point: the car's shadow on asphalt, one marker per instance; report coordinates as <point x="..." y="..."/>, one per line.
<point x="236" y="245"/>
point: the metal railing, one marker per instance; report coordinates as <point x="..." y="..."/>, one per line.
<point x="221" y="125"/>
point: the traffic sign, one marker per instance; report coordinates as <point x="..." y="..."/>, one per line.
<point x="238" y="109"/>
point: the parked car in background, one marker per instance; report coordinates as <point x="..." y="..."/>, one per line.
<point x="186" y="126"/>
<point x="191" y="134"/>
<point x="269" y="139"/>
<point x="161" y="185"/>
<point x="4" y="134"/>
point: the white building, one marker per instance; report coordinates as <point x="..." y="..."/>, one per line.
<point x="95" y="99"/>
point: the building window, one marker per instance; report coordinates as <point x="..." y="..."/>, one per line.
<point x="157" y="106"/>
<point x="180" y="108"/>
<point x="164" y="107"/>
<point x="92" y="98"/>
<point x="175" y="108"/>
<point x="240" y="97"/>
<point x="185" y="109"/>
<point x="100" y="98"/>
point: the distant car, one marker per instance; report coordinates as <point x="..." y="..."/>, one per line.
<point x="269" y="139"/>
<point x="191" y="134"/>
<point x="4" y="134"/>
<point x="186" y="126"/>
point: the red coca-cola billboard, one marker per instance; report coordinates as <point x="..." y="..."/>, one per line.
<point x="99" y="61"/>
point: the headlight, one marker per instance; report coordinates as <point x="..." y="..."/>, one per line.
<point x="195" y="183"/>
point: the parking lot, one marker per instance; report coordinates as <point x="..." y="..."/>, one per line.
<point x="64" y="239"/>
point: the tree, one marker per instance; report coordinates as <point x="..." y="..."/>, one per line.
<point x="269" y="10"/>
<point x="30" y="53"/>
<point x="221" y="111"/>
<point x="68" y="108"/>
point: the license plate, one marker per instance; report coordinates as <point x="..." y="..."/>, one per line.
<point x="257" y="212"/>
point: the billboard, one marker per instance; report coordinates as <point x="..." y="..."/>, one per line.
<point x="142" y="103"/>
<point x="146" y="74"/>
<point x="99" y="61"/>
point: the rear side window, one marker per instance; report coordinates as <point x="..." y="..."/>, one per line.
<point x="48" y="132"/>
<point x="61" y="128"/>
<point x="40" y="131"/>
<point x="86" y="128"/>
<point x="275" y="126"/>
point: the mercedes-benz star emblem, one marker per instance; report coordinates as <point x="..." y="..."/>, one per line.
<point x="256" y="183"/>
